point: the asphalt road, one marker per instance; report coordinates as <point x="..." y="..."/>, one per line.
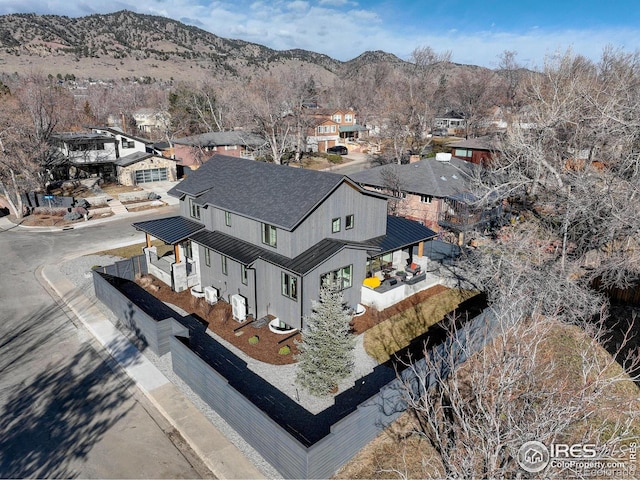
<point x="64" y="411"/>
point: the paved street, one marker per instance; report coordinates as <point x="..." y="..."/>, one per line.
<point x="64" y="412"/>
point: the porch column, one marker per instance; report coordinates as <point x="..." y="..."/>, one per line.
<point x="421" y="249"/>
<point x="148" y="238"/>
<point x="176" y="252"/>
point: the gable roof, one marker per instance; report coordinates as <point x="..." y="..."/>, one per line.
<point x="215" y="139"/>
<point x="425" y="177"/>
<point x="480" y="143"/>
<point x="276" y="194"/>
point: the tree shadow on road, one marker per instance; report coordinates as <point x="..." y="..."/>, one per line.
<point x="51" y="422"/>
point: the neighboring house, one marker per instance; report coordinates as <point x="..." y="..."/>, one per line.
<point x="112" y="155"/>
<point x="139" y="167"/>
<point x="193" y="151"/>
<point x="475" y="150"/>
<point x="264" y="237"/>
<point x="453" y="123"/>
<point x="433" y="191"/>
<point x="331" y="127"/>
<point x="150" y="120"/>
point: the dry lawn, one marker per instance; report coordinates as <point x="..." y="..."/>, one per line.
<point x="397" y="332"/>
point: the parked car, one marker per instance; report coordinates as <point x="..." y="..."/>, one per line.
<point x="338" y="149"/>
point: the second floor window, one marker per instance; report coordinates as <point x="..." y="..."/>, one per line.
<point x="269" y="235"/>
<point x="194" y="209"/>
<point x="335" y="225"/>
<point x="227" y="219"/>
<point x="207" y="257"/>
<point x="337" y="118"/>
<point x="426" y="198"/>
<point x="348" y="222"/>
<point x="223" y="261"/>
<point x="127" y="144"/>
<point x="348" y="118"/>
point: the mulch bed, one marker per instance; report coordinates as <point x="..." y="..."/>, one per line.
<point x="221" y="322"/>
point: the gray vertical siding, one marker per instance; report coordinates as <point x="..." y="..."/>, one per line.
<point x="270" y="298"/>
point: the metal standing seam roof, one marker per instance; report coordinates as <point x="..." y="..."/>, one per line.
<point x="170" y="230"/>
<point x="132" y="158"/>
<point x="247" y="253"/>
<point x="275" y="194"/>
<point x="401" y="233"/>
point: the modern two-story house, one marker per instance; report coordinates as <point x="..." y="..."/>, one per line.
<point x="265" y="237"/>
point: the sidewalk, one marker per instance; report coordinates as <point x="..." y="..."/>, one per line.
<point x="222" y="457"/>
<point x="119" y="212"/>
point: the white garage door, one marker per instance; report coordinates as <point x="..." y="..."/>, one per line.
<point x="151" y="175"/>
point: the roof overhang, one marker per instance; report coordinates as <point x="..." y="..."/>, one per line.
<point x="170" y="230"/>
<point x="401" y="233"/>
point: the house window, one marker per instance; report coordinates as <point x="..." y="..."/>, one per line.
<point x="227" y="219"/>
<point x="338" y="279"/>
<point x="207" y="257"/>
<point x="243" y="274"/>
<point x="194" y="209"/>
<point x="333" y="129"/>
<point x="335" y="225"/>
<point x="186" y="246"/>
<point x="462" y="152"/>
<point x="289" y="286"/>
<point x="337" y="118"/>
<point x="269" y="235"/>
<point x="127" y="144"/>
<point x="426" y="198"/>
<point x="348" y="118"/>
<point x="348" y="222"/>
<point x="230" y="147"/>
<point x="223" y="261"/>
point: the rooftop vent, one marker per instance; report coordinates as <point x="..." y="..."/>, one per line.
<point x="443" y="157"/>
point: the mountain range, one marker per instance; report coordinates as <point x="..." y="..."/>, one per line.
<point x="125" y="44"/>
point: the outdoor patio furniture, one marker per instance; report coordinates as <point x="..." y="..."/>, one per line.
<point x="414" y="268"/>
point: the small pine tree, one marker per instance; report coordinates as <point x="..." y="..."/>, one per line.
<point x="326" y="349"/>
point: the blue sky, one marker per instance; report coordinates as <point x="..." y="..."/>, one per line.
<point x="475" y="31"/>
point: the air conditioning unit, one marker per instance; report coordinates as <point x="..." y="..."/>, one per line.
<point x="239" y="307"/>
<point x="211" y="295"/>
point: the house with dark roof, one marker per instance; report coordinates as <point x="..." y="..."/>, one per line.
<point x="479" y="150"/>
<point x="451" y="122"/>
<point x="331" y="127"/>
<point x="433" y="191"/>
<point x="113" y="155"/>
<point x="192" y="151"/>
<point x="265" y="237"/>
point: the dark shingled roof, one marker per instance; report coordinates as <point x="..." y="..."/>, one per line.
<point x="401" y="233"/>
<point x="276" y="194"/>
<point x="170" y="230"/>
<point x="426" y="177"/>
<point x="247" y="253"/>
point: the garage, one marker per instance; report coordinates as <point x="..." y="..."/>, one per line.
<point x="151" y="175"/>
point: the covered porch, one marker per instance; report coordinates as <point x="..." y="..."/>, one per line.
<point x="178" y="268"/>
<point x="400" y="268"/>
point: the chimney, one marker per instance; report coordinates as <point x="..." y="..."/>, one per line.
<point x="414" y="158"/>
